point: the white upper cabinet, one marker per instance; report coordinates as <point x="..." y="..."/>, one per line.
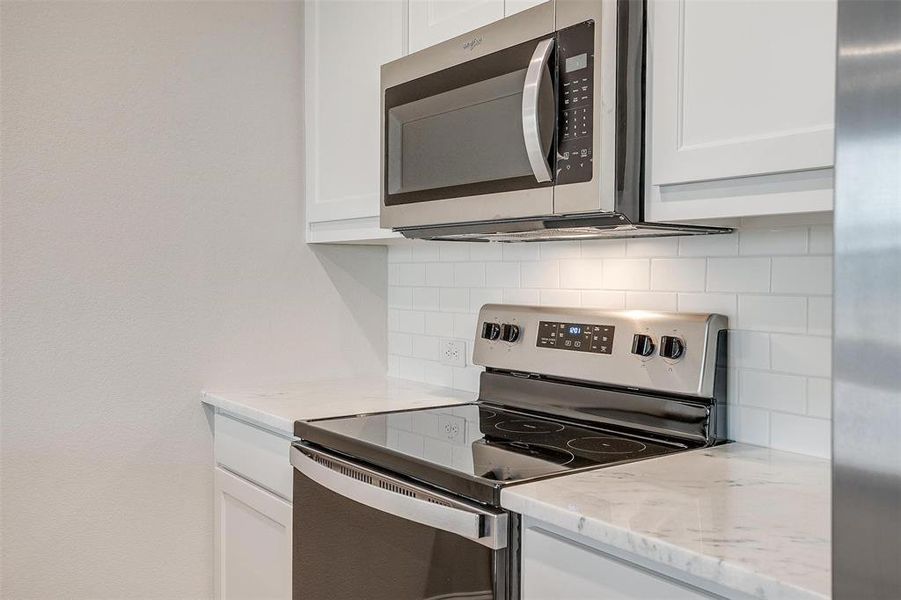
<point x="433" y="21"/>
<point x="515" y="6"/>
<point x="739" y="89"/>
<point x="347" y="41"/>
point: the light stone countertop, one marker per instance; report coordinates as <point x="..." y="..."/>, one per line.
<point x="278" y="408"/>
<point x="750" y="519"/>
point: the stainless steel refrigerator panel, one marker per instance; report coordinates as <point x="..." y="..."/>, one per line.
<point x="867" y="333"/>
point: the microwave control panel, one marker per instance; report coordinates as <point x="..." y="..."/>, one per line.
<point x="575" y="101"/>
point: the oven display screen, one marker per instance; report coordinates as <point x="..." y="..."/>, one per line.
<point x="578" y="337"/>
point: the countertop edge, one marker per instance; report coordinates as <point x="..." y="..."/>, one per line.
<point x="672" y="557"/>
<point x="248" y="413"/>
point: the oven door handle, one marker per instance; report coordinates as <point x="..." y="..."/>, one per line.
<point x="362" y="485"/>
<point x="531" y="95"/>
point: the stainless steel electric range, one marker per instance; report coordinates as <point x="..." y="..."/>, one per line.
<point x="408" y="504"/>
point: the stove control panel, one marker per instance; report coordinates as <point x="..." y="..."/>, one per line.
<point x="578" y="337"/>
<point x="672" y="352"/>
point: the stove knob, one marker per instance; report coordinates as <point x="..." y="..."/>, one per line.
<point x="642" y="345"/>
<point x="671" y="347"/>
<point x="491" y="331"/>
<point x="509" y="333"/>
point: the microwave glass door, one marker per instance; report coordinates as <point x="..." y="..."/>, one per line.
<point x="480" y="127"/>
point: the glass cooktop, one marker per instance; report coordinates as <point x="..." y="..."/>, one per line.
<point x="467" y="446"/>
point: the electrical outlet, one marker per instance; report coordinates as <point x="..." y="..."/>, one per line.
<point x="452" y="428"/>
<point x="453" y="353"/>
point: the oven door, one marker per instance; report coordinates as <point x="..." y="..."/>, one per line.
<point x="359" y="533"/>
<point x="472" y="141"/>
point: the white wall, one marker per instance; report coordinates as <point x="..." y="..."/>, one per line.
<point x="151" y="246"/>
<point x="775" y="285"/>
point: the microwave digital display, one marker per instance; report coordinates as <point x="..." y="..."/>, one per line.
<point x="574" y="63"/>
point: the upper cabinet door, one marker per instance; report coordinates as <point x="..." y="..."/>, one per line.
<point x="347" y="41"/>
<point x="515" y="6"/>
<point x="434" y="21"/>
<point x="740" y="88"/>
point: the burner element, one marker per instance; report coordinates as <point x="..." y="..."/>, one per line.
<point x="606" y="445"/>
<point x="529" y="426"/>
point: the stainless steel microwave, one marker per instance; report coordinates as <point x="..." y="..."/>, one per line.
<point x="529" y="128"/>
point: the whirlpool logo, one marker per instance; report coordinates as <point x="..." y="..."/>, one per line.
<point x="472" y="44"/>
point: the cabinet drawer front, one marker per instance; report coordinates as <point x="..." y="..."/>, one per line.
<point x="256" y="454"/>
<point x="556" y="568"/>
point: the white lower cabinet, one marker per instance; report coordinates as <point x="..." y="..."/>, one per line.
<point x="253" y="512"/>
<point x="555" y="567"/>
<point x="253" y="541"/>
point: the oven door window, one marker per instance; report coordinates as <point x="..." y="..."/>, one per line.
<point x="460" y="131"/>
<point x="345" y="549"/>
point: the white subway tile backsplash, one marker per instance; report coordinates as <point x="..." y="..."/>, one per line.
<point x="400" y="344"/>
<point x="453" y="251"/>
<point x="772" y="242"/>
<point x="738" y="274"/>
<point x="411" y="274"/>
<point x="819" y="315"/>
<point x="820" y="240"/>
<point x="819" y="397"/>
<point x="467" y="378"/>
<point x="604" y="299"/>
<point x="469" y="274"/>
<point x="709" y="245"/>
<point x="465" y="327"/>
<point x="480" y="297"/>
<point x="425" y="347"/>
<point x="749" y="349"/>
<point x="581" y="274"/>
<point x="439" y="323"/>
<point x="513" y="252"/>
<point x="763" y="389"/>
<point x="438" y="374"/>
<point x="525" y="297"/>
<point x="749" y="425"/>
<point x="774" y="285"/>
<point x="423" y="252"/>
<point x="454" y="299"/>
<point x="723" y="304"/>
<point x="802" y="275"/>
<point x="398" y="253"/>
<point x="545" y="274"/>
<point x="485" y="252"/>
<point x="560" y="297"/>
<point x="678" y="274"/>
<point x="603" y="248"/>
<point x="805" y="435"/>
<point x="400" y="297"/>
<point x="503" y="274"/>
<point x="554" y="250"/>
<point x="772" y="313"/>
<point x="802" y="354"/>
<point x="439" y="274"/>
<point x="411" y="368"/>
<point x="409" y="321"/>
<point x="651" y="301"/>
<point x="424" y="298"/>
<point x="647" y="247"/>
<point x="627" y="273"/>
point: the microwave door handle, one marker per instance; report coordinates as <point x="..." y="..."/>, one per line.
<point x="486" y="528"/>
<point x="531" y="129"/>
